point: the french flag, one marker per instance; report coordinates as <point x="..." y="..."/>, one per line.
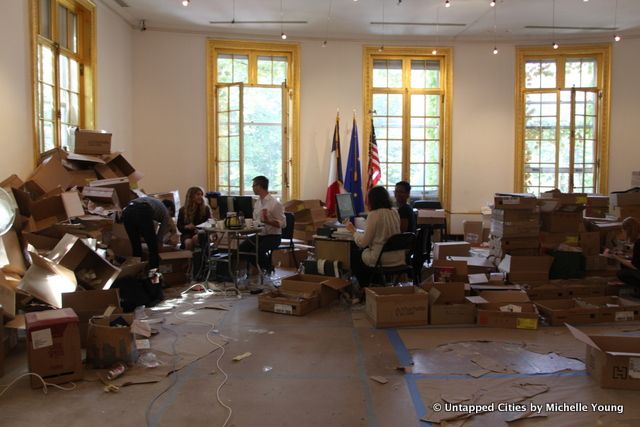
<point x="336" y="180"/>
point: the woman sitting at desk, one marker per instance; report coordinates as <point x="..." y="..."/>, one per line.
<point x="382" y="223"/>
<point x="629" y="266"/>
<point x="194" y="212"/>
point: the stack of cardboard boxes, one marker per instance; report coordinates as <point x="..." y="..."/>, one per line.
<point x="625" y="204"/>
<point x="309" y="216"/>
<point x="597" y="206"/>
<point x="515" y="226"/>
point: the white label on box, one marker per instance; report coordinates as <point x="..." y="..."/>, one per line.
<point x="41" y="338"/>
<point x="622" y="316"/>
<point x="283" y="308"/>
<point x="634" y="367"/>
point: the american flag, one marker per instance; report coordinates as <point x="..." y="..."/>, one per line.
<point x="374" y="171"/>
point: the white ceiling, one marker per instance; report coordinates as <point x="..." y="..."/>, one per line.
<point x="351" y="20"/>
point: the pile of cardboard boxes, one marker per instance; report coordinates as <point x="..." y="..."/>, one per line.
<point x="625" y="204"/>
<point x="65" y="237"/>
<point x="515" y="226"/>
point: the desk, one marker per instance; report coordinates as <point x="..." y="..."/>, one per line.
<point x="335" y="249"/>
<point x="231" y="239"/>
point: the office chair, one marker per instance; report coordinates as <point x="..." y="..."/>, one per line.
<point x="433" y="204"/>
<point x="397" y="242"/>
<point x="421" y="253"/>
<point x="287" y="241"/>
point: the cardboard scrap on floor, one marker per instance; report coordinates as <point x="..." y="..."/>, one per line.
<point x="379" y="379"/>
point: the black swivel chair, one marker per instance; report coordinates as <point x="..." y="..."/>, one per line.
<point x="287" y="241"/>
<point x="421" y="253"/>
<point x="397" y="242"/>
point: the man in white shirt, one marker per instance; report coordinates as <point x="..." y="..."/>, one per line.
<point x="268" y="211"/>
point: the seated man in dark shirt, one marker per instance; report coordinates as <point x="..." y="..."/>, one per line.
<point x="407" y="218"/>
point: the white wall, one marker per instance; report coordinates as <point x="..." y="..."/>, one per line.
<point x="114" y="107"/>
<point x="625" y="114"/>
<point x="170" y="110"/>
<point x="114" y="86"/>
<point x="16" y="129"/>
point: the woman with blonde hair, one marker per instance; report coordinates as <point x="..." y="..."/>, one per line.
<point x="194" y="212"/>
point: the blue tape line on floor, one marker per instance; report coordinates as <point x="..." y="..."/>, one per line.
<point x="404" y="357"/>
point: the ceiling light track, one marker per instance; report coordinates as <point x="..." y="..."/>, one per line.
<point x="256" y="22"/>
<point x="426" y="24"/>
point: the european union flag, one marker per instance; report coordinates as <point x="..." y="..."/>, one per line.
<point x="353" y="177"/>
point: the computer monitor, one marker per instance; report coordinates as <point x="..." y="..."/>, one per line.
<point x="243" y="204"/>
<point x="344" y="206"/>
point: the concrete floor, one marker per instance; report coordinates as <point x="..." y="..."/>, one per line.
<point x="304" y="371"/>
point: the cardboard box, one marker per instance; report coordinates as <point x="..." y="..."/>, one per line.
<point x="510" y="243"/>
<point x="311" y="215"/>
<point x="122" y="187"/>
<point x="613" y="361"/>
<point x="102" y="195"/>
<point x="51" y="210"/>
<point x="328" y="288"/>
<point x="47" y="281"/>
<point x="441" y="250"/>
<point x="116" y="166"/>
<point x="87" y="304"/>
<point x="431" y="217"/>
<point x="476" y="264"/>
<point x="472" y="232"/>
<point x="47" y="176"/>
<point x="286" y="259"/>
<point x="505" y="309"/>
<point x="561" y="222"/>
<point x="597" y="200"/>
<point x="7" y="297"/>
<point x="91" y="270"/>
<point x="586" y="310"/>
<point x="622" y="212"/>
<point x="449" y="271"/>
<point x="293" y="299"/>
<point x="107" y="344"/>
<point x="397" y="306"/>
<point x="82" y="177"/>
<point x="514" y="215"/>
<point x="515" y="229"/>
<point x="590" y="243"/>
<point x="522" y="269"/>
<point x="596" y="212"/>
<point x="515" y="202"/>
<point x="565" y="198"/>
<point x="596" y="262"/>
<point x="298" y="205"/>
<point x="92" y="142"/>
<point x="53" y="346"/>
<point x="627" y="198"/>
<point x="553" y="240"/>
<point x="174" y="267"/>
<point x="449" y="306"/>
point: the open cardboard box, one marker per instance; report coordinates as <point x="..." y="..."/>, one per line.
<point x="116" y="166"/>
<point x="397" y="306"/>
<point x="612" y="360"/>
<point x="291" y="298"/>
<point x="74" y="254"/>
<point x="87" y="304"/>
<point x="449" y="271"/>
<point x="47" y="176"/>
<point x="52" y="210"/>
<point x="585" y="310"/>
<point x="327" y="287"/>
<point x="174" y="267"/>
<point x="511" y="201"/>
<point x="442" y="250"/>
<point x="449" y="306"/>
<point x="122" y="187"/>
<point x="505" y="309"/>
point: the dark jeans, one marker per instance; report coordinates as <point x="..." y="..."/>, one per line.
<point x="629" y="276"/>
<point x="138" y="221"/>
<point x="266" y="243"/>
